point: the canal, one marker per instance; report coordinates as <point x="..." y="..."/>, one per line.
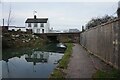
<point x="31" y="63"/>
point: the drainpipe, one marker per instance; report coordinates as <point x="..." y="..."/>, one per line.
<point x="3" y="21"/>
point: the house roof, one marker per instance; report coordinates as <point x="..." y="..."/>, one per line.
<point x="37" y="20"/>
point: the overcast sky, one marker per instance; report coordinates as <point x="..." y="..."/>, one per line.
<point x="62" y="15"/>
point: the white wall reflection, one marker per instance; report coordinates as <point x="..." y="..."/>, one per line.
<point x="36" y="65"/>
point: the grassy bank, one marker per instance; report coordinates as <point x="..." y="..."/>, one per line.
<point x="59" y="71"/>
<point x="107" y="74"/>
<point x="15" y="40"/>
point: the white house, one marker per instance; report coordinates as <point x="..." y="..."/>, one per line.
<point x="38" y="25"/>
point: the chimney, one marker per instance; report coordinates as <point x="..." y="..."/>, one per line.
<point x="35" y="16"/>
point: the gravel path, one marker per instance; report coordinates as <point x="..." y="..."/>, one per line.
<point x="82" y="64"/>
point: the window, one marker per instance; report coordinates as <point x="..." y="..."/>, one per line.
<point x="29" y="24"/>
<point x="42" y="25"/>
<point x="35" y="24"/>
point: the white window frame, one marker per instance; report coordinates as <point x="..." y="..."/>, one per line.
<point x="42" y="25"/>
<point x="35" y="24"/>
<point x="29" y="24"/>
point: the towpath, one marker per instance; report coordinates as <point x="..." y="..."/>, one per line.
<point x="82" y="64"/>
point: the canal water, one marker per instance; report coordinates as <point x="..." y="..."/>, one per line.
<point x="30" y="64"/>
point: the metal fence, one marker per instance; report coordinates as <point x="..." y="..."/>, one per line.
<point x="104" y="42"/>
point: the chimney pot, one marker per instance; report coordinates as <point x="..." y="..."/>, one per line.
<point x="35" y="17"/>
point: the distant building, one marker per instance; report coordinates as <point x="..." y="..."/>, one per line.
<point x="65" y="31"/>
<point x="55" y="31"/>
<point x="38" y="25"/>
<point x="74" y="30"/>
<point x="11" y="28"/>
<point x="51" y="30"/>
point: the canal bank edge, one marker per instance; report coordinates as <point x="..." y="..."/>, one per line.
<point x="112" y="73"/>
<point x="16" y="39"/>
<point x="59" y="71"/>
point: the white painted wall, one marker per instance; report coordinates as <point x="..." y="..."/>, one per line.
<point x="15" y="28"/>
<point x="35" y="29"/>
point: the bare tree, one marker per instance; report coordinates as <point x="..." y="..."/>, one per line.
<point x="9" y="16"/>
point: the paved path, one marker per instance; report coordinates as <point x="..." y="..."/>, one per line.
<point x="82" y="64"/>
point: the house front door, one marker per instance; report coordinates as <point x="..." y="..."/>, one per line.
<point x="42" y="30"/>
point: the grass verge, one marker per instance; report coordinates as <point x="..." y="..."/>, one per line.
<point x="107" y="74"/>
<point x="58" y="72"/>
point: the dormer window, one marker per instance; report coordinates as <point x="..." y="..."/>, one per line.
<point x="42" y="25"/>
<point x="35" y="24"/>
<point x="29" y="24"/>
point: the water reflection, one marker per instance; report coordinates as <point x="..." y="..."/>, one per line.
<point x="39" y="64"/>
<point x="37" y="57"/>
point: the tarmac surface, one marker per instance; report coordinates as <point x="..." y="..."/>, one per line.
<point x="84" y="65"/>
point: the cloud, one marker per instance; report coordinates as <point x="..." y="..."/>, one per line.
<point x="61" y="15"/>
<point x="60" y="0"/>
